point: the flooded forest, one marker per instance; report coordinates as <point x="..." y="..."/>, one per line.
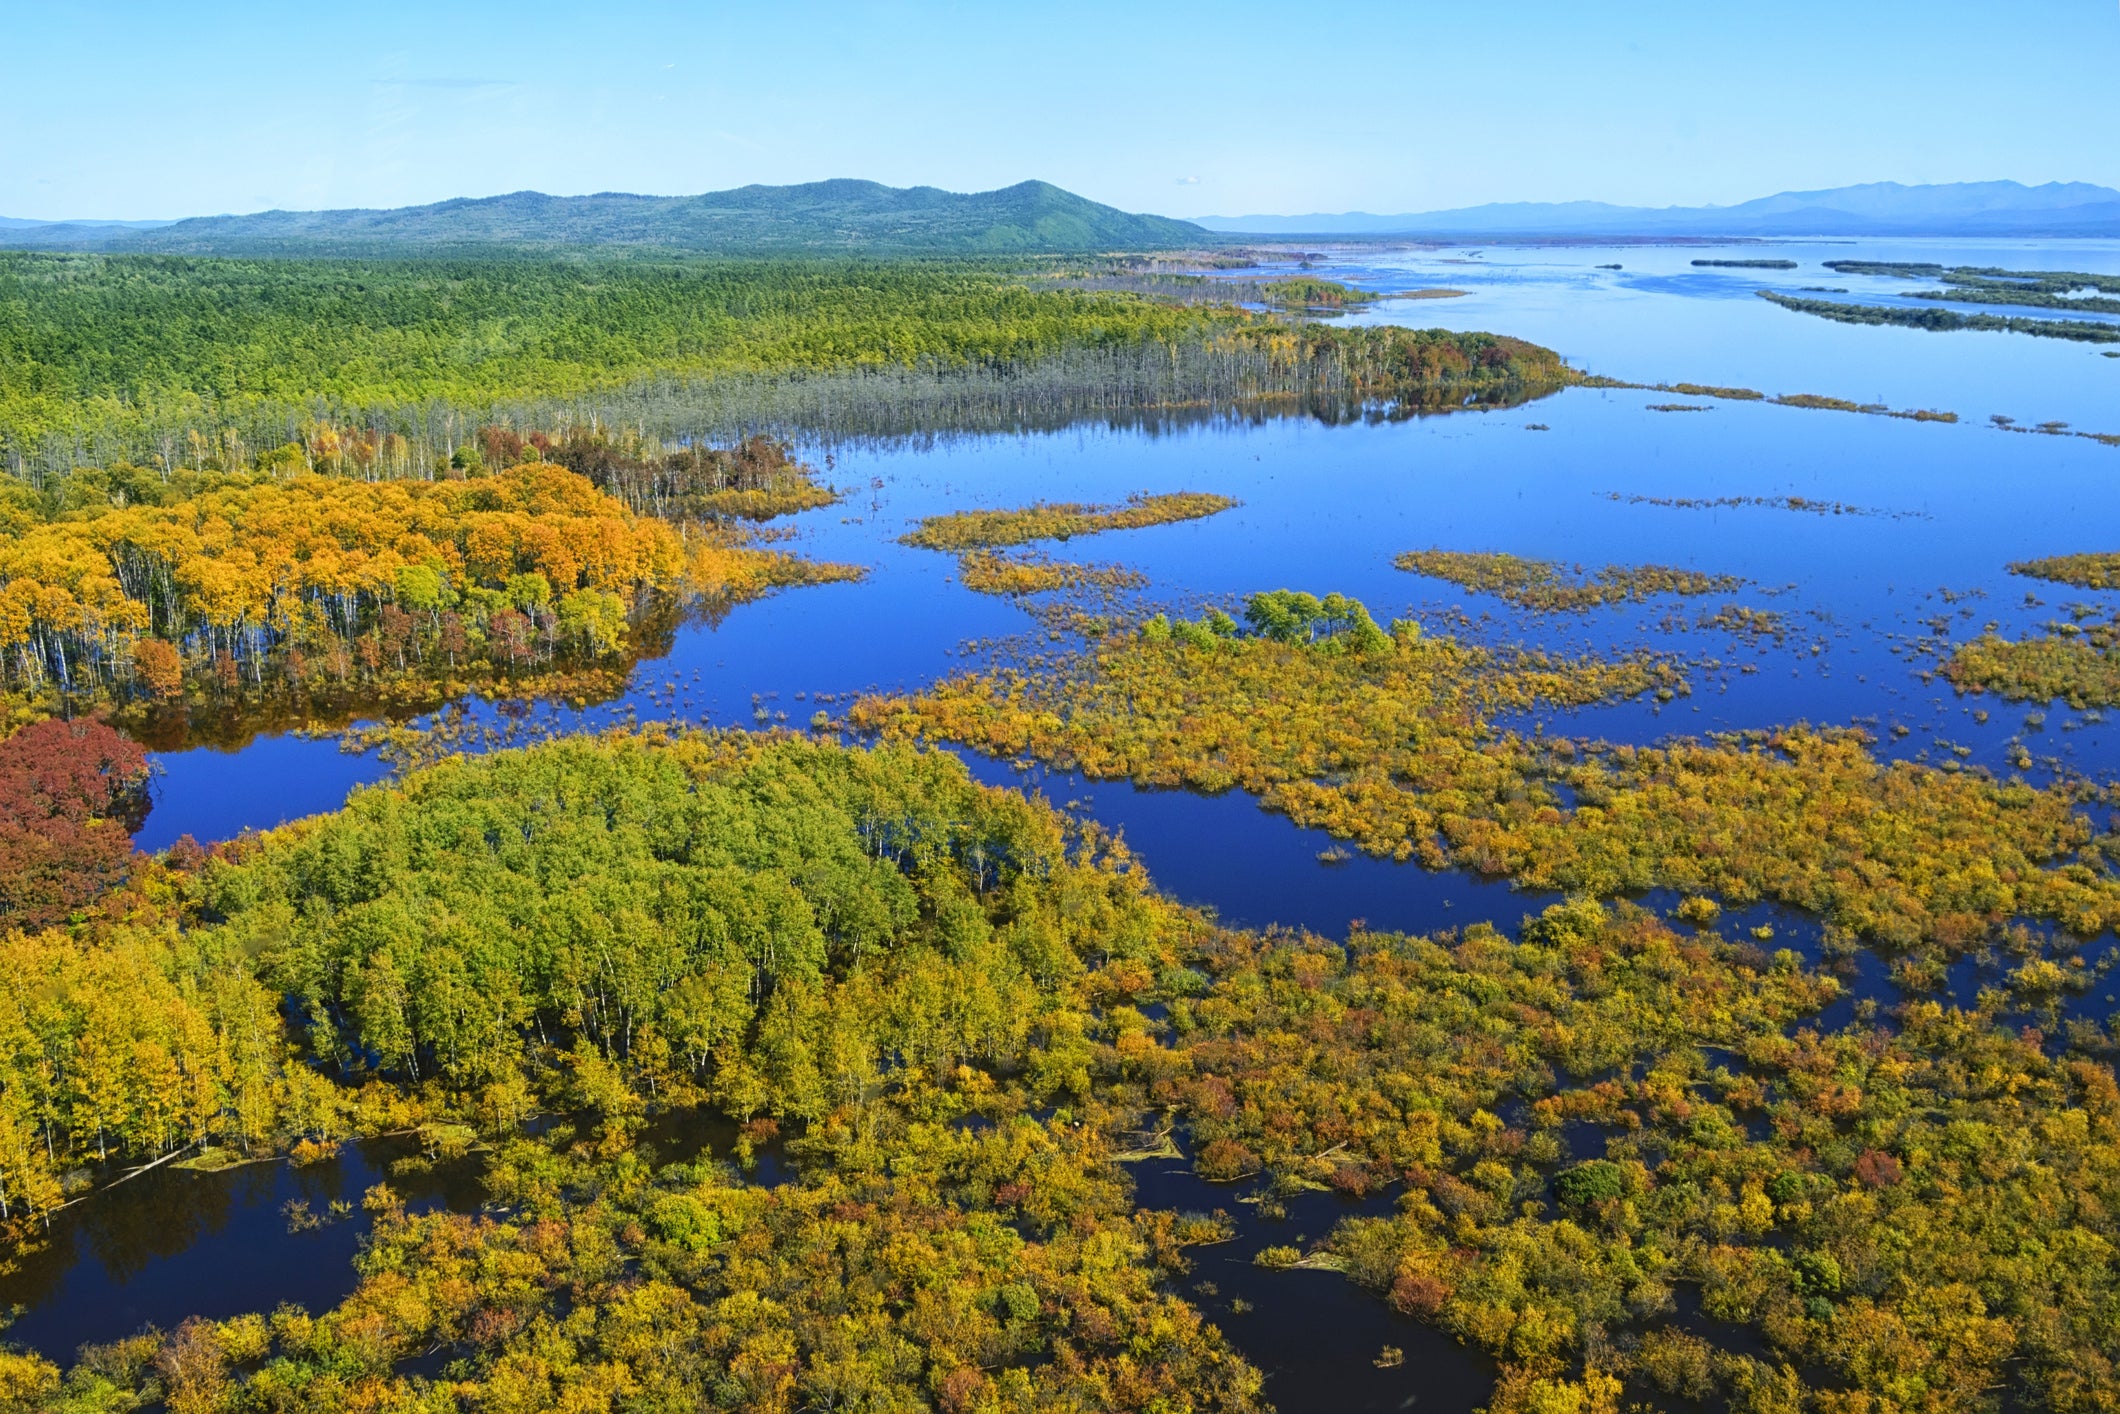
<point x="1529" y="828"/>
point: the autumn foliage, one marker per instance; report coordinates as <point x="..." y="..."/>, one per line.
<point x="1390" y="747"/>
<point x="1603" y="1116"/>
<point x="1547" y="585"/>
<point x="68" y="795"/>
<point x="319" y="580"/>
<point x="982" y="530"/>
<point x="953" y="1005"/>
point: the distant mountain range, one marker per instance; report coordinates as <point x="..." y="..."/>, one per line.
<point x="1876" y="209"/>
<point x="816" y="217"/>
<point x="16" y="223"/>
<point x="847" y="216"/>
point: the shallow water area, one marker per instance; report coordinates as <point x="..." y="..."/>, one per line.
<point x="1320" y="1340"/>
<point x="1256" y="870"/>
<point x="172" y="1243"/>
<point x="1908" y="555"/>
<point x="1930" y="516"/>
<point x="1659" y="318"/>
<point x="175" y="1243"/>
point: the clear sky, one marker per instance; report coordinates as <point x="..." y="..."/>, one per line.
<point x="163" y="110"/>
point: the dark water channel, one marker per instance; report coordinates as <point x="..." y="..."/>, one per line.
<point x="1933" y="515"/>
<point x="173" y="1243"/>
<point x="1317" y="1336"/>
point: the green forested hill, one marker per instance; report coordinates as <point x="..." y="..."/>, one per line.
<point x="835" y="216"/>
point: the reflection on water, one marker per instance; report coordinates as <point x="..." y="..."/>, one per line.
<point x="1661" y="319"/>
<point x="1316" y="1335"/>
<point x="174" y="1243"/>
<point x="686" y="1136"/>
<point x="1328" y="508"/>
<point x="1254" y="869"/>
<point x="1867" y="600"/>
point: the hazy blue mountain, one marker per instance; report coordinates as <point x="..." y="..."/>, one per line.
<point x="18" y="223"/>
<point x="842" y="216"/>
<point x="1874" y="209"/>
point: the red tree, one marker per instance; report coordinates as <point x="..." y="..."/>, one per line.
<point x="71" y="794"/>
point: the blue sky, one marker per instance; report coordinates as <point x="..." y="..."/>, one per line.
<point x="148" y="110"/>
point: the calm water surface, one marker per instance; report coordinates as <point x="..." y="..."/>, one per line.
<point x="1661" y="319"/>
<point x="1943" y="509"/>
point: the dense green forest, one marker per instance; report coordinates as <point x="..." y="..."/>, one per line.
<point x="157" y="360"/>
<point x="89" y="340"/>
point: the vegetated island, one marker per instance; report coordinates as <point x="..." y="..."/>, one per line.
<point x="1311" y="292"/>
<point x="982" y="530"/>
<point x="2098" y="569"/>
<point x="2011" y="294"/>
<point x="1816" y="401"/>
<point x="1750" y="264"/>
<point x="2075" y="660"/>
<point x="1546" y="585"/>
<point x="1945" y="320"/>
<point x="1983" y="284"/>
<point x="1743" y="621"/>
<point x="985" y="572"/>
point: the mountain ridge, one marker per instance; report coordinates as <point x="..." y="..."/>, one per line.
<point x="23" y="223"/>
<point x="1872" y="208"/>
<point x="851" y="216"/>
<point x="841" y="215"/>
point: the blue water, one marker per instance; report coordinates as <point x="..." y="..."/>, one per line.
<point x="1661" y="319"/>
<point x="215" y="794"/>
<point x="1946" y="507"/>
<point x="170" y="1244"/>
<point x="1327" y="508"/>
